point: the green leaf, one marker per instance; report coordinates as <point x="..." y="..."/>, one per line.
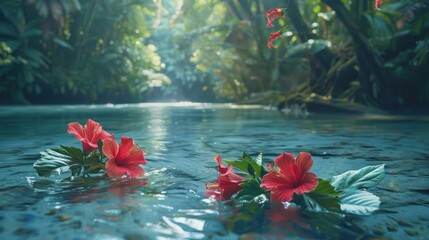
<point x="251" y="215"/>
<point x="94" y="168"/>
<point x="77" y="5"/>
<point x="246" y="157"/>
<point x="75" y="153"/>
<point x="259" y="159"/>
<point x="250" y="170"/>
<point x="322" y="199"/>
<point x="313" y="46"/>
<point x="250" y="188"/>
<point x="35" y="57"/>
<point x="57" y="161"/>
<point x="7" y="30"/>
<point x="31" y="32"/>
<point x="317" y="202"/>
<point x="246" y="164"/>
<point x="62" y="43"/>
<point x="327" y="223"/>
<point x="325" y="187"/>
<point x="359" y="202"/>
<point x="363" y="178"/>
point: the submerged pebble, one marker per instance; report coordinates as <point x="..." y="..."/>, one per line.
<point x="63" y="218"/>
<point x="411" y="232"/>
<point x="391" y="228"/>
<point x="25" y="231"/>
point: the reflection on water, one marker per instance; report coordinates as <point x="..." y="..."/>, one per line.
<point x="181" y="141"/>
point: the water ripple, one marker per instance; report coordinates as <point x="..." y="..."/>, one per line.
<point x="181" y="141"/>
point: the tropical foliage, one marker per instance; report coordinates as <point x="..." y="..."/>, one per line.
<point x="285" y="191"/>
<point x="80" y="50"/>
<point x="123" y="159"/>
<point x="326" y="52"/>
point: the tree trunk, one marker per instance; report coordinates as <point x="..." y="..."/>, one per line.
<point x="371" y="76"/>
<point x="321" y="61"/>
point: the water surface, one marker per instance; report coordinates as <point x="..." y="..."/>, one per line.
<point x="181" y="141"/>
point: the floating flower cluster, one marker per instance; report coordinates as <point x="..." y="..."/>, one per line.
<point x="284" y="187"/>
<point x="123" y="159"/>
<point x="254" y="188"/>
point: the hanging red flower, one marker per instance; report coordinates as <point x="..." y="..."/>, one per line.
<point x="272" y="14"/>
<point x="377" y="3"/>
<point x="228" y="182"/>
<point x="89" y="134"/>
<point x="293" y="177"/>
<point x="272" y="37"/>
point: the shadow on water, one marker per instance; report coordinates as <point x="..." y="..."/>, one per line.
<point x="181" y="141"/>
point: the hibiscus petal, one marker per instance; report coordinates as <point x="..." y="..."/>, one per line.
<point x="92" y="130"/>
<point x="226" y="191"/>
<point x="221" y="167"/>
<point x="309" y="182"/>
<point x="286" y="163"/>
<point x="214" y="193"/>
<point x="110" y="148"/>
<point x="126" y="145"/>
<point x="104" y="135"/>
<point x="76" y="129"/>
<point x="304" y="162"/>
<point x="116" y="171"/>
<point x="229" y="177"/>
<point x="88" y="146"/>
<point x="134" y="157"/>
<point x="129" y="153"/>
<point x="283" y="194"/>
<point x="274" y="179"/>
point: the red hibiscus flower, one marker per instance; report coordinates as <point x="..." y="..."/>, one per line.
<point x="377" y="3"/>
<point x="293" y="177"/>
<point x="272" y="37"/>
<point x="272" y="14"/>
<point x="89" y="135"/>
<point x="124" y="158"/>
<point x="228" y="182"/>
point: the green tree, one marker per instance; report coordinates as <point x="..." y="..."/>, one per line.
<point x="366" y="75"/>
<point x="79" y="51"/>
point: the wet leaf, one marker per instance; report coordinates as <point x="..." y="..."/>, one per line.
<point x="62" y="43"/>
<point x="322" y="199"/>
<point x="250" y="188"/>
<point x="250" y="170"/>
<point x="57" y="161"/>
<point x="365" y="177"/>
<point x="359" y="202"/>
<point x="325" y="187"/>
<point x="317" y="202"/>
<point x="249" y="217"/>
<point x="259" y="159"/>
<point x="252" y="166"/>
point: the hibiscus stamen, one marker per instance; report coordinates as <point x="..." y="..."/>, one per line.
<point x="212" y="185"/>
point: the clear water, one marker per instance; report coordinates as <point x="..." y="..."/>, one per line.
<point x="181" y="141"/>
